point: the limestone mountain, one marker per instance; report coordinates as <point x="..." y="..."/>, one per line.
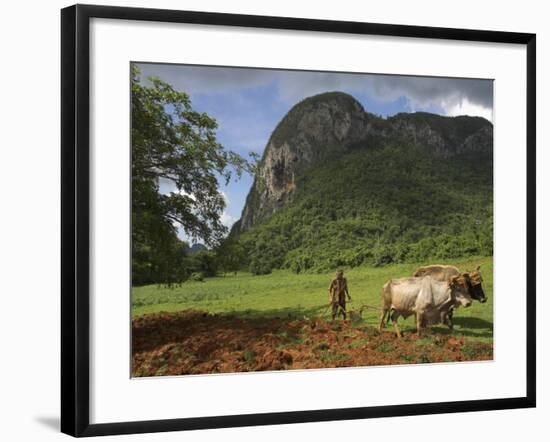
<point x="338" y="186"/>
<point x="333" y="124"/>
<point x="315" y="128"/>
<point x="195" y="248"/>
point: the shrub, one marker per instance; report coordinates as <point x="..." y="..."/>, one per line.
<point x="197" y="276"/>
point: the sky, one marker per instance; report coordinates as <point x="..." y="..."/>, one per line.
<point x="248" y="103"/>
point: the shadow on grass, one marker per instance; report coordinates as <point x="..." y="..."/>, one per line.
<point x="468" y="326"/>
<point x="474" y="327"/>
<point x="289" y="313"/>
<point x="471" y="322"/>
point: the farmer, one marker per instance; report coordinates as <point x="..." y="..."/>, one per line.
<point x="338" y="290"/>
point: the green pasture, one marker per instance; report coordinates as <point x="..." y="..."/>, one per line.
<point x="286" y="294"/>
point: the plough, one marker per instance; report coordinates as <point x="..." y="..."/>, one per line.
<point x="353" y="313"/>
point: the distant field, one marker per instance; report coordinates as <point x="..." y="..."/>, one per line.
<point x="283" y="294"/>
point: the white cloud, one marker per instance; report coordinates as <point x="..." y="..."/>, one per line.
<point x="465" y="107"/>
<point x="182" y="235"/>
<point x="225" y="197"/>
<point x="227" y="220"/>
<point x="167" y="187"/>
<point x="462" y="95"/>
<point x="455" y="95"/>
<point x="184" y="193"/>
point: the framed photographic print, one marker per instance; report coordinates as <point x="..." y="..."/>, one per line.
<point x="262" y="214"/>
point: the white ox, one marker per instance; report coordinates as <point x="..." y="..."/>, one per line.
<point x="430" y="300"/>
<point x="442" y="272"/>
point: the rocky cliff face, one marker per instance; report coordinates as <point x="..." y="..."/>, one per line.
<point x="333" y="123"/>
<point x="313" y="129"/>
<point x="445" y="136"/>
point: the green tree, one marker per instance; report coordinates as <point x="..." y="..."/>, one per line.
<point x="231" y="255"/>
<point x="173" y="142"/>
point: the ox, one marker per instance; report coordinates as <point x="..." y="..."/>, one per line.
<point x="445" y="273"/>
<point x="430" y="300"/>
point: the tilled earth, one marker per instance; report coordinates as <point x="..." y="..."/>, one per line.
<point x="193" y="342"/>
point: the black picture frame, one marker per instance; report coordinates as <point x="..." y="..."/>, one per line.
<point x="75" y="225"/>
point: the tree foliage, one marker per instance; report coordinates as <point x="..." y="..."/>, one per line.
<point x="173" y="142"/>
<point x="388" y="204"/>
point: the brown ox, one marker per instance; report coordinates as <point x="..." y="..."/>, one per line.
<point x="426" y="298"/>
<point x="441" y="272"/>
<point x="437" y="271"/>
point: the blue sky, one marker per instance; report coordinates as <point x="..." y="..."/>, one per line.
<point x="248" y="103"/>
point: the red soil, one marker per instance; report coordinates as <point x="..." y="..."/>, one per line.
<point x="194" y="342"/>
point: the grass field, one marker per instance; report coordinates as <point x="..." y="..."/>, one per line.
<point x="286" y="295"/>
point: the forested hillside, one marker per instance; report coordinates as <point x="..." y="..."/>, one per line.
<point x="415" y="187"/>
